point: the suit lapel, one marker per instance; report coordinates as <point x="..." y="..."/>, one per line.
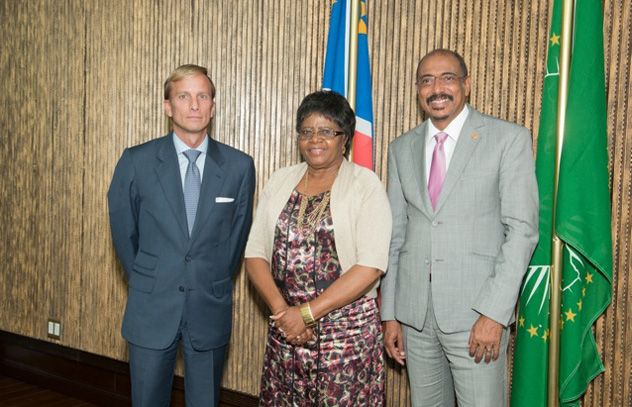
<point x="168" y="171"/>
<point x="212" y="181"/>
<point x="468" y="140"/>
<point x="418" y="151"/>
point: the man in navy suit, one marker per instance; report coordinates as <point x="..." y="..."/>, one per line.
<point x="180" y="211"/>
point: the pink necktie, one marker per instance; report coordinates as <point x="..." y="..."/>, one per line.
<point x="437" y="169"/>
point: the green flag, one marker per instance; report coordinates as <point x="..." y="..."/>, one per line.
<point x="582" y="220"/>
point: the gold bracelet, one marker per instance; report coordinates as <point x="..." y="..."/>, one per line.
<point x="306" y="314"/>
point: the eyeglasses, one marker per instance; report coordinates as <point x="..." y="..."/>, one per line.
<point x="445" y="79"/>
<point x="306" y="134"/>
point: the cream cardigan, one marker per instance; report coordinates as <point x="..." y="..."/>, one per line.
<point x="360" y="213"/>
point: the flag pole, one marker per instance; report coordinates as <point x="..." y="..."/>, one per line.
<point x="353" y="53"/>
<point x="557" y="246"/>
<point x="353" y="59"/>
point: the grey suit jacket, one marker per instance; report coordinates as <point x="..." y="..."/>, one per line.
<point x="173" y="275"/>
<point x="478" y="240"/>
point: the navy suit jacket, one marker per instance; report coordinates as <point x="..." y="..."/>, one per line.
<point x="172" y="276"/>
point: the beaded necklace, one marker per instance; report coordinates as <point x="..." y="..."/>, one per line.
<point x="308" y="220"/>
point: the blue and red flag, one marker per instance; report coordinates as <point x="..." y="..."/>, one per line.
<point x="335" y="77"/>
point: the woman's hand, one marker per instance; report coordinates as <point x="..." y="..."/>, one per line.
<point x="291" y="324"/>
<point x="306" y="336"/>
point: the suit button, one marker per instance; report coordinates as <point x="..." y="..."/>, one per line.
<point x="187" y="258"/>
<point x="427" y="261"/>
<point x="435" y="223"/>
<point x="181" y="288"/>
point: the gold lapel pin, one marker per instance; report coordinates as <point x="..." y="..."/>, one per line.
<point x="474" y="136"/>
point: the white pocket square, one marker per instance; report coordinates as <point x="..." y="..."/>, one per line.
<point x="223" y="199"/>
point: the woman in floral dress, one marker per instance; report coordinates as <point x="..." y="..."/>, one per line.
<point x="316" y="251"/>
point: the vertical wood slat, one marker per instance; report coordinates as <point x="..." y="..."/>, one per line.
<point x="613" y="331"/>
<point x="83" y="79"/>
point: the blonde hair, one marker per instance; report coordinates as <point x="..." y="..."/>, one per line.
<point x="184" y="71"/>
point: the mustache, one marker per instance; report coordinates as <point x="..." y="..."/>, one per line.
<point x="436" y="96"/>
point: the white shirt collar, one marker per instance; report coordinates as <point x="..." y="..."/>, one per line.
<point x="181" y="147"/>
<point x="453" y="129"/>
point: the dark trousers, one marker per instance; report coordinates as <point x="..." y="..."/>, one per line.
<point x="151" y="372"/>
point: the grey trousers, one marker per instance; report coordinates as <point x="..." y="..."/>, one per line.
<point x="439" y="368"/>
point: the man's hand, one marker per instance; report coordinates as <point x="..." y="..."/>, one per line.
<point x="484" y="339"/>
<point x="393" y="341"/>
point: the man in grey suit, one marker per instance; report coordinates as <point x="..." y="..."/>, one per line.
<point x="464" y="198"/>
<point x="180" y="211"/>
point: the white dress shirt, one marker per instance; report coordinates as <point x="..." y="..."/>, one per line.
<point x="453" y="130"/>
<point x="183" y="161"/>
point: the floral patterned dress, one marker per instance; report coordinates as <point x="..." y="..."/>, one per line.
<point x="343" y="365"/>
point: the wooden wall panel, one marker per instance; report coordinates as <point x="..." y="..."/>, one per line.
<point x="82" y="80"/>
<point x="613" y="330"/>
<point x="115" y="117"/>
<point x="42" y="165"/>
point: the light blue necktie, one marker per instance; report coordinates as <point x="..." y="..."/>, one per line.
<point x="192" y="185"/>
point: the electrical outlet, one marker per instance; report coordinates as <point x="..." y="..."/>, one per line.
<point x="54" y="328"/>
